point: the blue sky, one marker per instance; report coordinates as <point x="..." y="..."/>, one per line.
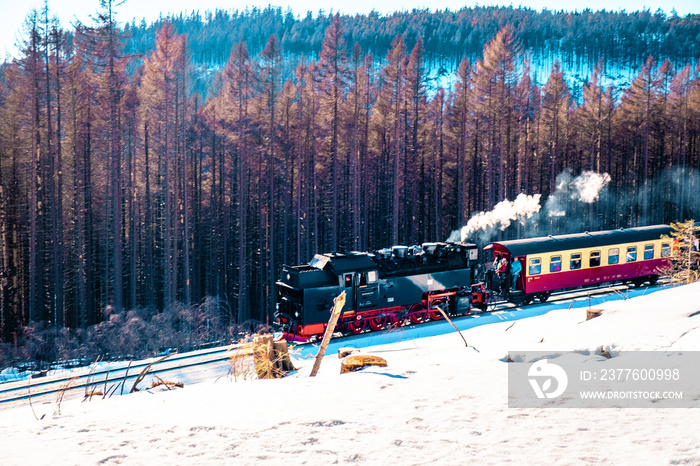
<point x="13" y="12"/>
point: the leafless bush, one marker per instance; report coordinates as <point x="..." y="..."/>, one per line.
<point x="136" y="333"/>
<point x="6" y="355"/>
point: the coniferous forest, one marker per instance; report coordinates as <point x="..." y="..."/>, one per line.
<point x="155" y="178"/>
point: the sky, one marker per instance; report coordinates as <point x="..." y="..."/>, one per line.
<point x="14" y="12"/>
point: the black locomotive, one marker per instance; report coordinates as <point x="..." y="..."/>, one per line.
<point x="404" y="284"/>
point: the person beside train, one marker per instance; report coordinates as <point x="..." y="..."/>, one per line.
<point x="503" y="272"/>
<point x="515" y="270"/>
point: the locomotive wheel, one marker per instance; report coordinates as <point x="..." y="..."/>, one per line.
<point x="356" y="326"/>
<point x="543" y="297"/>
<point x="418" y="314"/>
<point x="433" y="313"/>
<point x="378" y="322"/>
<point x="395" y="321"/>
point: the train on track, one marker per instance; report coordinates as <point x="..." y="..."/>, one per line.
<point x="411" y="284"/>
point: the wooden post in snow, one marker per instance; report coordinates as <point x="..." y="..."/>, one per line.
<point x="444" y="314"/>
<point x="338" y="304"/>
<point x="271" y="357"/>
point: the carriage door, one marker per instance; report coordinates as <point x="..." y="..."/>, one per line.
<point x="349" y="286"/>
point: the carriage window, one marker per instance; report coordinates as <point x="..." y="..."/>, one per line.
<point x="555" y="264"/>
<point x="535" y="267"/>
<point x="632" y="254"/>
<point x="648" y="252"/>
<point x="613" y="256"/>
<point x="575" y="262"/>
<point x="666" y="250"/>
<point x="594" y="260"/>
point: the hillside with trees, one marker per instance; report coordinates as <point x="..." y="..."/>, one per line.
<point x="129" y="180"/>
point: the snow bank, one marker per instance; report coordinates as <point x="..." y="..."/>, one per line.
<point x="437" y="402"/>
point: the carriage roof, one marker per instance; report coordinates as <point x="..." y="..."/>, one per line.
<point x="525" y="247"/>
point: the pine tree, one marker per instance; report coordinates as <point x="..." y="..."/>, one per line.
<point x="158" y="99"/>
<point x="333" y="75"/>
<point x="554" y="115"/>
<point x="685" y="255"/>
<point x="461" y="115"/>
<point x="233" y="113"/>
<point x="388" y="134"/>
<point x="270" y="69"/>
<point x="637" y="113"/>
<point x="495" y="79"/>
<point x="415" y="98"/>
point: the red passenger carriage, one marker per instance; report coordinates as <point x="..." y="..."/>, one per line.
<point x="633" y="255"/>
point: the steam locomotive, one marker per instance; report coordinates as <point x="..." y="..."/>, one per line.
<point x="411" y="284"/>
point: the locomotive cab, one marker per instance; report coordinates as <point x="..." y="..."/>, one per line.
<point x="305" y="293"/>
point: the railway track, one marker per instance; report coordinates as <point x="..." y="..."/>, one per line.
<point x="567" y="295"/>
<point x="496" y="307"/>
<point x="117" y="379"/>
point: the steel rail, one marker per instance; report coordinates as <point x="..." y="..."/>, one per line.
<point x="22" y="390"/>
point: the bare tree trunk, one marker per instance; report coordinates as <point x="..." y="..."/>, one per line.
<point x="148" y="224"/>
<point x="185" y="211"/>
<point x="91" y="315"/>
<point x="167" y="221"/>
<point x="133" y="220"/>
<point x="34" y="281"/>
<point x="115" y="171"/>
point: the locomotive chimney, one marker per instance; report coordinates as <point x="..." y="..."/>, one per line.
<point x="399" y="251"/>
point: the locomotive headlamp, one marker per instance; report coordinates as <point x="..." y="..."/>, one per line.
<point x="296" y="314"/>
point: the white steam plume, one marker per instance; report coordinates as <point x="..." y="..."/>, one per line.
<point x="503" y="214"/>
<point x="584" y="188"/>
<point x="588" y="185"/>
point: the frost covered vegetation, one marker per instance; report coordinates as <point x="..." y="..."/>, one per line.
<point x="135" y="334"/>
<point x="579" y="39"/>
<point x="123" y="188"/>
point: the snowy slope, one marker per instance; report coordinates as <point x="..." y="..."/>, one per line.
<point x="437" y="402"/>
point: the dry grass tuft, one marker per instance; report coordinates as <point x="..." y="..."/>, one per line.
<point x="145" y="372"/>
<point x="90" y="393"/>
<point x="166" y="383"/>
<point x="241" y="364"/>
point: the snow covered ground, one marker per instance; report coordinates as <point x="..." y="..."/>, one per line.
<point x="437" y="402"/>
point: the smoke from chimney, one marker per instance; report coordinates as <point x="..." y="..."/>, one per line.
<point x="584" y="188"/>
<point x="503" y="214"/>
<point x="525" y="209"/>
